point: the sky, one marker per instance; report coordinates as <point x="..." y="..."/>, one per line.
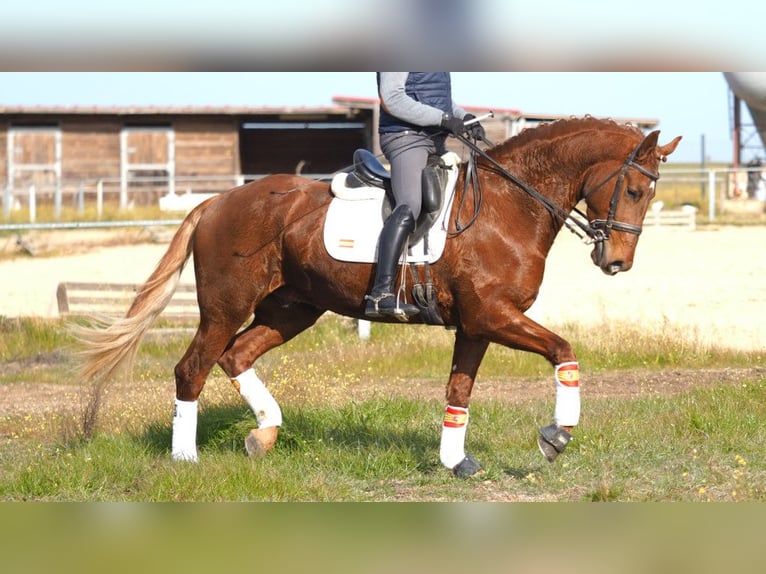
<point x="695" y="105"/>
<point x="520" y="33"/>
<point x="653" y="59"/>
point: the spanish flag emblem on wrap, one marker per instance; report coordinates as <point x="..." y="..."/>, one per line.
<point x="568" y="374"/>
<point x="455" y="417"/>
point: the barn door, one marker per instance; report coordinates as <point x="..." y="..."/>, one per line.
<point x="34" y="159"/>
<point x="147" y="159"/>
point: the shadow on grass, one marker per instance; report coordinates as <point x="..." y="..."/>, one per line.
<point x="372" y="426"/>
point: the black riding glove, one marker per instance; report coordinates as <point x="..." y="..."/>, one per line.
<point x="453" y="124"/>
<point x="474" y="130"/>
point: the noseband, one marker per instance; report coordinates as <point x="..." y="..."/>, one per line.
<point x="601" y="229"/>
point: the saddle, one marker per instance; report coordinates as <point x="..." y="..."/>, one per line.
<point x="364" y="200"/>
<point x="369" y="179"/>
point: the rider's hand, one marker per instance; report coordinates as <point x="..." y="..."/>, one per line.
<point x="453" y="124"/>
<point x="474" y="130"/>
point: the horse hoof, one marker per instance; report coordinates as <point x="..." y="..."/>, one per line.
<point x="467" y="467"/>
<point x="261" y="441"/>
<point x="552" y="441"/>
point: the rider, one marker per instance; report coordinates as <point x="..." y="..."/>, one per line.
<point x="416" y="115"/>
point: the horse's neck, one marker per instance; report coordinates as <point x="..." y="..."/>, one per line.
<point x="551" y="179"/>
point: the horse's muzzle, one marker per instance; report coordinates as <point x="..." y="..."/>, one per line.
<point x="609" y="265"/>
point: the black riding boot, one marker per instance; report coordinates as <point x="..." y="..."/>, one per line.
<point x="382" y="299"/>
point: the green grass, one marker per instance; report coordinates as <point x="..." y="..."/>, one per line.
<point x="692" y="447"/>
<point x="420" y="352"/>
<point x="701" y="444"/>
<point x="45" y="212"/>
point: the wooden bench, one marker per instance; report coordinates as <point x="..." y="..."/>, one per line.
<point x="114" y="299"/>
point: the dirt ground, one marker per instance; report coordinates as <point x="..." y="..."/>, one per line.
<point x="709" y="284"/>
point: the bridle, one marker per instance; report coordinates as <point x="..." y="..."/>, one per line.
<point x="599" y="230"/>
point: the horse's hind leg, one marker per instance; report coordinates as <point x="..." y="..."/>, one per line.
<point x="274" y="324"/>
<point x="191" y="372"/>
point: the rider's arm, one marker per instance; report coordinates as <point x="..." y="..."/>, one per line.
<point x="395" y="100"/>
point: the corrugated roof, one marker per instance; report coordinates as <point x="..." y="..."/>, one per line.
<point x="341" y="105"/>
<point x="172" y="110"/>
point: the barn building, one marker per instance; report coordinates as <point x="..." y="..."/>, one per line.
<point x="139" y="153"/>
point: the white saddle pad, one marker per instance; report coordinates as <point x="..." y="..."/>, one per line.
<point x="354" y="222"/>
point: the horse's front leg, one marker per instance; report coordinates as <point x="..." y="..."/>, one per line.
<point x="467" y="355"/>
<point x="521" y="332"/>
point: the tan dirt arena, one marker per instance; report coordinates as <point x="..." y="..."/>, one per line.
<point x="711" y="283"/>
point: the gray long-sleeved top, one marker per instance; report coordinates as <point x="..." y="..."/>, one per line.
<point x="395" y="99"/>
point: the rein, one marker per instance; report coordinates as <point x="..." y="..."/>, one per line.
<point x="471" y="172"/>
<point x="598" y="230"/>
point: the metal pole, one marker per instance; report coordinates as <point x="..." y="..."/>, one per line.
<point x="123" y="169"/>
<point x="9" y="182"/>
<point x="702" y="163"/>
<point x="89" y="224"/>
<point x="171" y="162"/>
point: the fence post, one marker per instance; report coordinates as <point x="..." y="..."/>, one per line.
<point x="99" y="198"/>
<point x="81" y="198"/>
<point x="32" y="203"/>
<point x="7" y="200"/>
<point x="57" y="193"/>
<point x="711" y="194"/>
<point x="364" y="329"/>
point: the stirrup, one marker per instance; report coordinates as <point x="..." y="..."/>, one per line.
<point x="552" y="441"/>
<point x="400" y="311"/>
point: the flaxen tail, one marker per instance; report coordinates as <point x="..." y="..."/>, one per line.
<point x="111" y="347"/>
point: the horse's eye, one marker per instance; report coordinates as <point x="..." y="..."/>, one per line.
<point x="633" y="194"/>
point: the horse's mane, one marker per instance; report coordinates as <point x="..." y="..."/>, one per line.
<point x="565" y="127"/>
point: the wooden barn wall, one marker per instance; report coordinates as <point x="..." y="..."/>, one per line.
<point x="90" y="146"/>
<point x="90" y="149"/>
<point x="207" y="147"/>
<point x="204" y="145"/>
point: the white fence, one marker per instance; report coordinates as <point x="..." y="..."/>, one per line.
<point x="717" y="188"/>
<point x="722" y="190"/>
<point x="95" y="193"/>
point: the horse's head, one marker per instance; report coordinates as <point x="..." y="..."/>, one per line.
<point x="617" y="197"/>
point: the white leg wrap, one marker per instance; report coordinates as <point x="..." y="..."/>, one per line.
<point x="567" y="411"/>
<point x="255" y="393"/>
<point x="452" y="449"/>
<point x="184" y="442"/>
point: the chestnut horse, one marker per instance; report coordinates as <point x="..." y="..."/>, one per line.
<point x="259" y="256"/>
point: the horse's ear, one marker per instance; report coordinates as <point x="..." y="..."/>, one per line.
<point x="665" y="150"/>
<point x="647" y="148"/>
<point x="650" y="149"/>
